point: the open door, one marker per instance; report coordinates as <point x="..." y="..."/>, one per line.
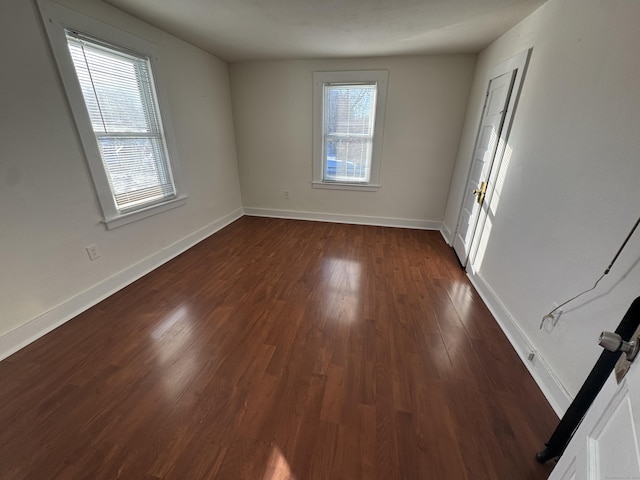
<point x="605" y="445"/>
<point x="503" y="89"/>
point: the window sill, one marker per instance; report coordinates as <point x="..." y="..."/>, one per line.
<point x="363" y="187"/>
<point x="131" y="217"/>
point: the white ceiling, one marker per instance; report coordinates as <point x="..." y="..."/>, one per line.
<point x="241" y="30"/>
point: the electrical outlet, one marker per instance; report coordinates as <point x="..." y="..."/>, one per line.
<point x="92" y="251"/>
<point x="285" y="194"/>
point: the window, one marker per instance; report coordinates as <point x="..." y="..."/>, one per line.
<point x="348" y="126"/>
<point x="108" y="78"/>
<point x="348" y="120"/>
<point x="118" y="92"/>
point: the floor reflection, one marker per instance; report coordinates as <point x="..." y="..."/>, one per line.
<point x="169" y="322"/>
<point x="176" y="351"/>
<point x="277" y="467"/>
<point x="342" y="288"/>
<point x="462" y="297"/>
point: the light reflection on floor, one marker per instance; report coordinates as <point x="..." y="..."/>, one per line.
<point x="461" y="297"/>
<point x="344" y="280"/>
<point x="172" y="338"/>
<point x="277" y="467"/>
<point x="168" y="323"/>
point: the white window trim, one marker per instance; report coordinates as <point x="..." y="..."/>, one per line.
<point x="381" y="78"/>
<point x="55" y="19"/>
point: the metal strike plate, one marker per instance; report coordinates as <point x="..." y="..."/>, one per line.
<point x="623" y="364"/>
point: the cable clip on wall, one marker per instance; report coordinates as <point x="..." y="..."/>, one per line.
<point x="551" y="314"/>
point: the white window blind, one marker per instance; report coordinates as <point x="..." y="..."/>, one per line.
<point x="348" y="129"/>
<point x="118" y="90"/>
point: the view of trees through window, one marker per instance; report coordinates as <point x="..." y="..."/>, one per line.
<point x="349" y="113"/>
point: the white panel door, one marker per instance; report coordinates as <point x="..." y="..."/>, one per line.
<point x="487" y="142"/>
<point x="605" y="446"/>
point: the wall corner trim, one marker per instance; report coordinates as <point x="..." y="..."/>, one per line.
<point x="555" y="393"/>
<point x="39" y="326"/>
<point x="340" y="218"/>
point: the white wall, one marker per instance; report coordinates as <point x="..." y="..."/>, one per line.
<point x="48" y="208"/>
<point x="426" y="101"/>
<point x="571" y="192"/>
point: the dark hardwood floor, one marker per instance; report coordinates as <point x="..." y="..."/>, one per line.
<point x="279" y="349"/>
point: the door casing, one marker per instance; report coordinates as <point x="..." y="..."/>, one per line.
<point x="517" y="64"/>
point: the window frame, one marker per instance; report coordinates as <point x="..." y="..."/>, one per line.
<point x="56" y="19"/>
<point x="378" y="77"/>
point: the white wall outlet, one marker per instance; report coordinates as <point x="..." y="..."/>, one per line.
<point x="93" y="252"/>
<point x="285" y="194"/>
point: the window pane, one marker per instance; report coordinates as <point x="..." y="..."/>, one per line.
<point x="113" y="86"/>
<point x="350" y="109"/>
<point x="348" y="132"/>
<point x="348" y="157"/>
<point x="135" y="175"/>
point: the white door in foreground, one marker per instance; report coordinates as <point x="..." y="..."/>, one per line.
<point x="605" y="446"/>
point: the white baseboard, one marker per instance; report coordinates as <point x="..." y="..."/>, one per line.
<point x="551" y="387"/>
<point x="22" y="336"/>
<point x="339" y="218"/>
<point x="446" y="234"/>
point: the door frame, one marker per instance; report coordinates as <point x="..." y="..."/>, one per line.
<point x="519" y="63"/>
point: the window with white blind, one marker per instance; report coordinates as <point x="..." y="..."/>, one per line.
<point x="348" y="126"/>
<point x="109" y="81"/>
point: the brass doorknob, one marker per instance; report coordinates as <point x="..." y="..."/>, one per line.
<point x="480" y="192"/>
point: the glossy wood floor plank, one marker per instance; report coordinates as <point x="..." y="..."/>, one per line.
<point x="279" y="349"/>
